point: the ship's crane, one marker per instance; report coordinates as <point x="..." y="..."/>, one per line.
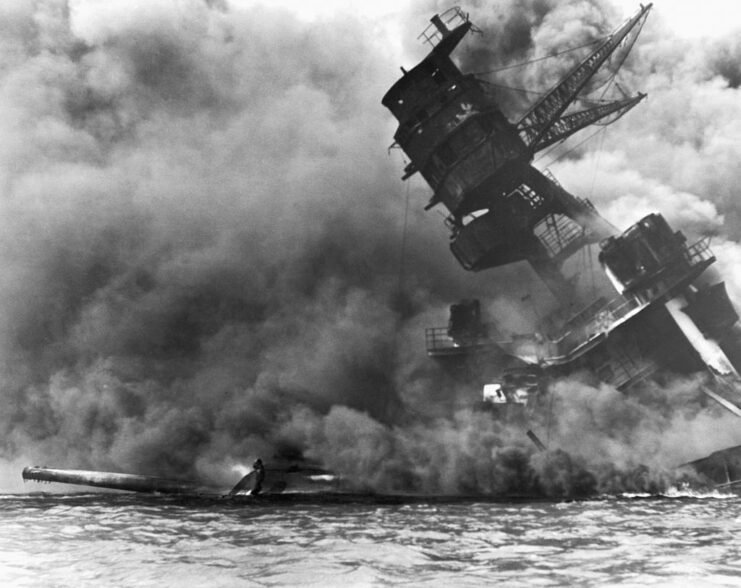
<point x="569" y="124"/>
<point x="546" y="112"/>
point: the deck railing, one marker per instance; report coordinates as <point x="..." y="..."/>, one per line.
<point x="699" y="252"/>
<point x="561" y="343"/>
<point x="451" y="18"/>
<point x="437" y="339"/>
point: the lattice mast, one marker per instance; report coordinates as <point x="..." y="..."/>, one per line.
<point x="478" y="163"/>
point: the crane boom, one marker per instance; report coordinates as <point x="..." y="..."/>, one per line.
<point x="546" y="112"/>
<point x="570" y="124"/>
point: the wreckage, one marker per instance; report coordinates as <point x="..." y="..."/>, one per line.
<point x="665" y="316"/>
<point x="278" y="479"/>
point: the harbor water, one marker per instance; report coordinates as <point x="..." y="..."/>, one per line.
<point x="135" y="540"/>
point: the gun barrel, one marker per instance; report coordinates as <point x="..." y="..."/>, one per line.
<point x="115" y="481"/>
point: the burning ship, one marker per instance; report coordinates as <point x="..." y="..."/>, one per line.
<point x="666" y="316"/>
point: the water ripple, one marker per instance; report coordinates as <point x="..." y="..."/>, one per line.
<point x="130" y="540"/>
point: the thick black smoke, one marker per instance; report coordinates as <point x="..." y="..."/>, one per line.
<point x="203" y="235"/>
<point x="201" y="231"/>
<point x="202" y="252"/>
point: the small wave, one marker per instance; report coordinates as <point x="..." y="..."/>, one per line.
<point x="687" y="492"/>
<point x="682" y="492"/>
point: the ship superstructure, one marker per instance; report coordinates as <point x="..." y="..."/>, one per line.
<point x="665" y="316"/>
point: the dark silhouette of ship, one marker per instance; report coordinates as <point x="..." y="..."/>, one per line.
<point x="665" y="317"/>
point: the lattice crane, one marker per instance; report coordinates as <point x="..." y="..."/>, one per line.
<point x="544" y="124"/>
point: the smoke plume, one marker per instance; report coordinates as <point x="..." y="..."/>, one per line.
<point x="205" y="257"/>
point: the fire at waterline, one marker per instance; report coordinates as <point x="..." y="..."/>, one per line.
<point x="665" y="319"/>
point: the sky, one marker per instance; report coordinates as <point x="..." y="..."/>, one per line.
<point x="688" y="18"/>
<point x="691" y="18"/>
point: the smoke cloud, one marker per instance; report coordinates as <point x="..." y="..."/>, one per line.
<point x="203" y="257"/>
<point x="202" y="230"/>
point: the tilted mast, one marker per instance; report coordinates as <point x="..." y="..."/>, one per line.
<point x="476" y="161"/>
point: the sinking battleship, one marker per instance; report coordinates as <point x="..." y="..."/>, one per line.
<point x="665" y="316"/>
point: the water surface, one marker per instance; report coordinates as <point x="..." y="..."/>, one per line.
<point x="136" y="540"/>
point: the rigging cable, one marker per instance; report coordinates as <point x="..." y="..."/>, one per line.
<point x="593" y="281"/>
<point x="597" y="161"/>
<point x="549" y="419"/>
<point x="523" y="90"/>
<point x="403" y="245"/>
<point x="524" y="63"/>
<point x="400" y="293"/>
<point x="629" y="44"/>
